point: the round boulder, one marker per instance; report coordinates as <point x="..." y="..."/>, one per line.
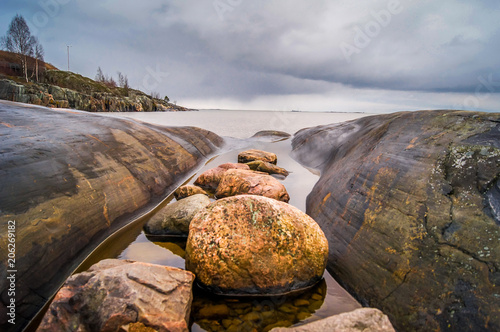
<point x="174" y="219"/>
<point x="254" y="245"/>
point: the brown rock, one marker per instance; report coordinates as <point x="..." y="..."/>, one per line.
<point x="70" y="179"/>
<point x="410" y="204"/>
<point x="239" y="182"/>
<point x="210" y="179"/>
<point x="359" y="320"/>
<point x="113" y="294"/>
<point x="263" y="166"/>
<point x="251" y="155"/>
<point x="255" y="245"/>
<point x="188" y="190"/>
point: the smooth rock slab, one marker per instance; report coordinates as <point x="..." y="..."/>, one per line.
<point x="211" y="178"/>
<point x="175" y="218"/>
<point x="188" y="190"/>
<point x="255" y="245"/>
<point x="252" y="155"/>
<point x="359" y="320"/>
<point x="70" y="179"/>
<point x="113" y="294"/>
<point x="239" y="182"/>
<point x="408" y="204"/>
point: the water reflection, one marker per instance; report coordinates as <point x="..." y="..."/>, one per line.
<point x="212" y="313"/>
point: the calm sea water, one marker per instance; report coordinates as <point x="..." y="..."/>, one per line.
<point x="241" y="124"/>
<point x="325" y="299"/>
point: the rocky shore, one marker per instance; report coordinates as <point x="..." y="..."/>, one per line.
<point x="69" y="179"/>
<point x="60" y="89"/>
<point x="409" y="203"/>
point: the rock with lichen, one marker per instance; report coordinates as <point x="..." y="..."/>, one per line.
<point x="410" y="205"/>
<point x="255" y="245"/>
<point x="116" y="295"/>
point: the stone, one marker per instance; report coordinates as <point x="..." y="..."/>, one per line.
<point x="188" y="190"/>
<point x="210" y="179"/>
<point x="263" y="166"/>
<point x="364" y="319"/>
<point x="249" y="244"/>
<point x="408" y="204"/>
<point x="239" y="182"/>
<point x="115" y="294"/>
<point x="251" y="155"/>
<point x="174" y="219"/>
<point x="70" y="179"/>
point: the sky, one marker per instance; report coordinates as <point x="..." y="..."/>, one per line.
<point x="346" y="56"/>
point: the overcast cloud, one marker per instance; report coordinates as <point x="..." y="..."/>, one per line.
<point x="374" y="56"/>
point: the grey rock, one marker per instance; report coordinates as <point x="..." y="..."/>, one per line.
<point x="175" y="218"/>
<point x="359" y="320"/>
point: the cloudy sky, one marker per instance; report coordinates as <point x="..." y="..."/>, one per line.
<point x="372" y="56"/>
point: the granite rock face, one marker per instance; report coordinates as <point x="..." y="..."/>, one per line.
<point x="45" y="94"/>
<point x="70" y="179"/>
<point x="211" y="178"/>
<point x="409" y="204"/>
<point x="113" y="295"/>
<point x="255" y="245"/>
<point x="175" y="218"/>
<point x="239" y="182"/>
<point x="359" y="320"/>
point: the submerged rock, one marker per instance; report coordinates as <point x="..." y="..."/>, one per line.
<point x="210" y="179"/>
<point x="255" y="245"/>
<point x="114" y="295"/>
<point x="175" y="218"/>
<point x="359" y="320"/>
<point x="69" y="179"/>
<point x="407" y="203"/>
<point x="251" y="155"/>
<point x="188" y="190"/>
<point x="238" y="182"/>
<point x="262" y="166"/>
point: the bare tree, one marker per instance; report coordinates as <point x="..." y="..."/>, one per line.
<point x="39" y="53"/>
<point x="99" y="77"/>
<point x="20" y="41"/>
<point x="123" y="81"/>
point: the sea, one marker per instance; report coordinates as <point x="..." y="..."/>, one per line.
<point x="326" y="299"/>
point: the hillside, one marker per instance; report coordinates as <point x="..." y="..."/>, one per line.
<point x="57" y="88"/>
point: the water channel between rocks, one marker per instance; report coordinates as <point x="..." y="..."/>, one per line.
<point x="212" y="313"/>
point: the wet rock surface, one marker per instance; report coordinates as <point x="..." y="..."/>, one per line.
<point x="262" y="166"/>
<point x="211" y="178"/>
<point x="359" y="320"/>
<point x="238" y="182"/>
<point x="120" y="295"/>
<point x="188" y="190"/>
<point x="175" y="218"/>
<point x="253" y="154"/>
<point x="69" y="179"/>
<point x="255" y="245"/>
<point x="407" y="202"/>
